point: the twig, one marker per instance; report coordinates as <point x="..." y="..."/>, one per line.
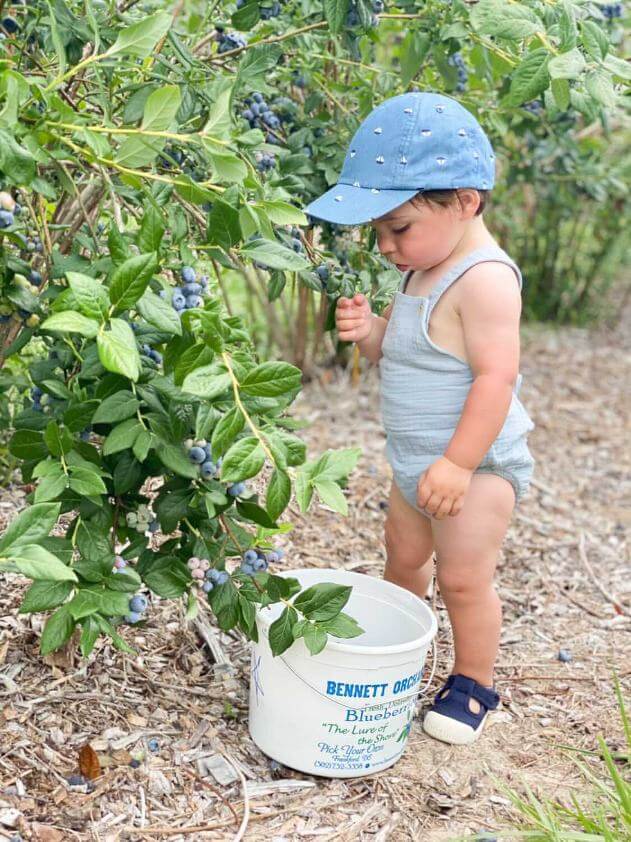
<point x="620" y="609"/>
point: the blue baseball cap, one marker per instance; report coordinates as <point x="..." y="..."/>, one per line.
<point x="410" y="143"/>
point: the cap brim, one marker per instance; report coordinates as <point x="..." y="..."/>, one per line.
<point x="357" y="205"/>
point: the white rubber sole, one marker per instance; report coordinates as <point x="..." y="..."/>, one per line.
<point x="449" y="730"/>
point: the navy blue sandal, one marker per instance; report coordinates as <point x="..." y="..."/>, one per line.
<point x="453" y="718"/>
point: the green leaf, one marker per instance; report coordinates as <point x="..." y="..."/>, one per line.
<point x="271" y="379"/>
<point x="568" y="65"/>
<point x="122" y="436"/>
<point x="283" y="213"/>
<point x="207" y="382"/>
<point x="413" y="53"/>
<point x="140" y="38"/>
<point x="151" y="231"/>
<point x="86" y="482"/>
<point x="505" y="20"/>
<point x="118" y="407"/>
<point x="90" y="296"/>
<point x="342" y="626"/>
<point x="130" y="280"/>
<point x="28" y="444"/>
<point x="600" y="85"/>
<point x="142" y="445"/>
<point x="594" y="40"/>
<point x="226" y="166"/>
<point x="322" y="601"/>
<point x="44" y="595"/>
<point x="167" y="577"/>
<point x="15" y="161"/>
<point x="331" y="494"/>
<point x="118" y="351"/>
<point x="226" y="430"/>
<point x="70" y="321"/>
<point x="224" y="229"/>
<point x="37" y="563"/>
<point x="118" y="245"/>
<point x="278" y="493"/>
<point x="57" y="440"/>
<point x="177" y="461"/>
<point x="244" y="459"/>
<point x="529" y="79"/>
<point x="219" y="120"/>
<point x="280" y="634"/>
<point x="160" y="109"/>
<point x="51" y="486"/>
<point x="336" y="464"/>
<point x="315" y="638"/>
<point x="30" y="526"/>
<point x="89" y="636"/>
<point x="79" y="415"/>
<point x="159" y="313"/>
<point x="271" y="253"/>
<point x="256" y="514"/>
<point x="57" y="40"/>
<point x="335" y="12"/>
<point x="57" y="631"/>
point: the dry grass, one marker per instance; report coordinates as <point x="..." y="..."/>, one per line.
<point x="563" y="580"/>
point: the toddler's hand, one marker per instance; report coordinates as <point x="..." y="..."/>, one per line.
<point x="442" y="487"/>
<point x="353" y="318"/>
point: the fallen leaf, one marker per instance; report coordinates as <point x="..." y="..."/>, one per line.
<point x="89" y="763"/>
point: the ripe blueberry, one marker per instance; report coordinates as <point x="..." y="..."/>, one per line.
<point x="197" y="455"/>
<point x="208" y="470"/>
<point x="138" y="604"/>
<point x="188" y="274"/>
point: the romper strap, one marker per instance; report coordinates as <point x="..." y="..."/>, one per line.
<point x="472" y="259"/>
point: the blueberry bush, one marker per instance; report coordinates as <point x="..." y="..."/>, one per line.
<point x="151" y="162"/>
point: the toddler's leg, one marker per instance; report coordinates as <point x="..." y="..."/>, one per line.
<point x="467" y="549"/>
<point x="409" y="545"/>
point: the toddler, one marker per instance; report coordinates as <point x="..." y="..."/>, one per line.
<point x="418" y="170"/>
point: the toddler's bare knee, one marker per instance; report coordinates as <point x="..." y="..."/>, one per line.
<point x="406" y="554"/>
<point x="460" y="581"/>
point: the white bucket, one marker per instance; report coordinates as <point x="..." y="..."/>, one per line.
<point x="345" y="712"/>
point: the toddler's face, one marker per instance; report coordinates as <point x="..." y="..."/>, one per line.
<point x="419" y="237"/>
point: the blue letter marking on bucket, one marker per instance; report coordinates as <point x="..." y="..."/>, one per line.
<point x="347" y="711"/>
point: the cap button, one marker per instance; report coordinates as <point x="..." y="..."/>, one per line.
<point x="339" y="198"/>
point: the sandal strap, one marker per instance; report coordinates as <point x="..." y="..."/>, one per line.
<point x="489" y="698"/>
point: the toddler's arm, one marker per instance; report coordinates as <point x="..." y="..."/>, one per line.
<point x="490" y="308"/>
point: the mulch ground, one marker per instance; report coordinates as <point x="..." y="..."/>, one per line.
<point x="563" y="580"/>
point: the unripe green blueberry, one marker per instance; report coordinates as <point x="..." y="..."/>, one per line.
<point x="132" y="519"/>
<point x="193" y="562"/>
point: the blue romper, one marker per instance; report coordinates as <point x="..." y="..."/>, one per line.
<point x="424" y="389"/>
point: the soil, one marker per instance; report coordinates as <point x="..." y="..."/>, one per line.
<point x="563" y="580"/>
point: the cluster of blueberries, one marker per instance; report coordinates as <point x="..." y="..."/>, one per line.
<point x="259" y="115"/>
<point x="457" y="61"/>
<point x="148" y="351"/>
<point x="352" y="16"/>
<point x="138" y="603"/>
<point x="205" y="575"/>
<point x="533" y="107"/>
<point x="296" y="242"/>
<point x="323" y="274"/>
<point x="612" y="10"/>
<point x="9" y="208"/>
<point x="199" y="453"/>
<point x="266" y="12"/>
<point x="230" y="41"/>
<point x="256" y="560"/>
<point x="142" y="520"/>
<point x="189" y="295"/>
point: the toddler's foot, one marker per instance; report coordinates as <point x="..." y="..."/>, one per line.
<point x="459" y="711"/>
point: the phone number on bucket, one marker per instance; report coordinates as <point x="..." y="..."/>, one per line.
<point x="324" y="764"/>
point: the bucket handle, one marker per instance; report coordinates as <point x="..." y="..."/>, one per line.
<point x="421" y="692"/>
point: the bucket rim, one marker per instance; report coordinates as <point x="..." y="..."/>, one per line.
<point x="353" y="648"/>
